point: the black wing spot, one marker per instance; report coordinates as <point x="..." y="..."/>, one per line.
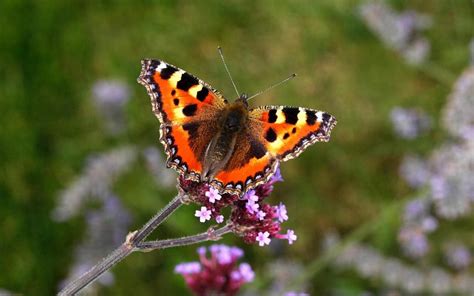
<point x="257" y="149"/>
<point x="285" y="136"/>
<point x="293" y="130"/>
<point x="270" y="136"/>
<point x="291" y="115"/>
<point x="173" y="92"/>
<point x="190" y="110"/>
<point x="326" y="117"/>
<point x="310" y="117"/>
<point x="186" y="82"/>
<point x="167" y="72"/>
<point x="192" y="129"/>
<point x="202" y="94"/>
<point x="176" y="101"/>
<point x="272" y="116"/>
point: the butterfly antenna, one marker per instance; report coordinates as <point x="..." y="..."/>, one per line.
<point x="273" y="86"/>
<point x="227" y="69"/>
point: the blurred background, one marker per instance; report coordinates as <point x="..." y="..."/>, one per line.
<point x="384" y="208"/>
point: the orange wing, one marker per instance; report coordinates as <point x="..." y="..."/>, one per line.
<point x="187" y="109"/>
<point x="274" y="134"/>
<point x="288" y="131"/>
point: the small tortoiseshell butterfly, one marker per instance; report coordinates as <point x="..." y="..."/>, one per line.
<point x="229" y="145"/>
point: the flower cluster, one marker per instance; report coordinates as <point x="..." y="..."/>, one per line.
<point x="251" y="217"/>
<point x="409" y="123"/>
<point x="217" y="274"/>
<point x="399" y="31"/>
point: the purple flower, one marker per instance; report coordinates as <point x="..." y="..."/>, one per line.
<point x="251" y="196"/>
<point x="110" y="98"/>
<point x="213" y="195"/>
<point x="246" y="272"/>
<point x="457" y="256"/>
<point x="409" y="123"/>
<point x="291" y="236"/>
<point x="261" y="215"/>
<point x="251" y="206"/>
<point x="429" y="224"/>
<point x="188" y="268"/>
<point x="414" y="171"/>
<point x="201" y="251"/>
<point x="220" y="219"/>
<point x="282" y="214"/>
<point x="236" y="252"/>
<point x="413" y="242"/>
<point x="459" y="110"/>
<point x="415" y="209"/>
<point x="217" y="275"/>
<point x="263" y="238"/>
<point x="204" y="214"/>
<point x="439" y="187"/>
<point x="277" y="177"/>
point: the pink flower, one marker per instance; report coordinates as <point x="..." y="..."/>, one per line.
<point x="213" y="194"/>
<point x="204" y="214"/>
<point x="281" y="212"/>
<point x="263" y="238"/>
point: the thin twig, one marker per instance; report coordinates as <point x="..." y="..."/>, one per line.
<point x="184" y="241"/>
<point x="132" y="240"/>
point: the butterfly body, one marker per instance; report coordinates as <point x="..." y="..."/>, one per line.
<point x="231" y="122"/>
<point x="229" y="145"/>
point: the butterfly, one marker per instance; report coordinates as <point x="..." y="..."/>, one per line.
<point x="230" y="146"/>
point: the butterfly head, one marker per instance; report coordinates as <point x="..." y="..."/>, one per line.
<point x="243" y="98"/>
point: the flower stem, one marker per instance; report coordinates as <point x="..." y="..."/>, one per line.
<point x="211" y="234"/>
<point x="129" y="246"/>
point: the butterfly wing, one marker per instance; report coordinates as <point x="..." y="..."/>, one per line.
<point x="274" y="134"/>
<point x="288" y="131"/>
<point x="187" y="109"/>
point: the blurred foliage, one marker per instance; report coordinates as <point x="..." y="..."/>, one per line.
<point x="52" y="52"/>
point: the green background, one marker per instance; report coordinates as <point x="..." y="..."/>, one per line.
<point x="51" y="53"/>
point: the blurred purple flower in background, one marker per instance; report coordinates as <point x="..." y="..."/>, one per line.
<point x="457" y="255"/>
<point x="458" y="117"/>
<point x="415" y="171"/>
<point x="413" y="241"/>
<point x="110" y="98"/>
<point x="370" y="263"/>
<point x="398" y="31"/>
<point x="106" y="228"/>
<point x="409" y="123"/>
<point x="218" y="274"/>
<point x="452" y="189"/>
<point x="157" y="166"/>
<point x="98" y="175"/>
